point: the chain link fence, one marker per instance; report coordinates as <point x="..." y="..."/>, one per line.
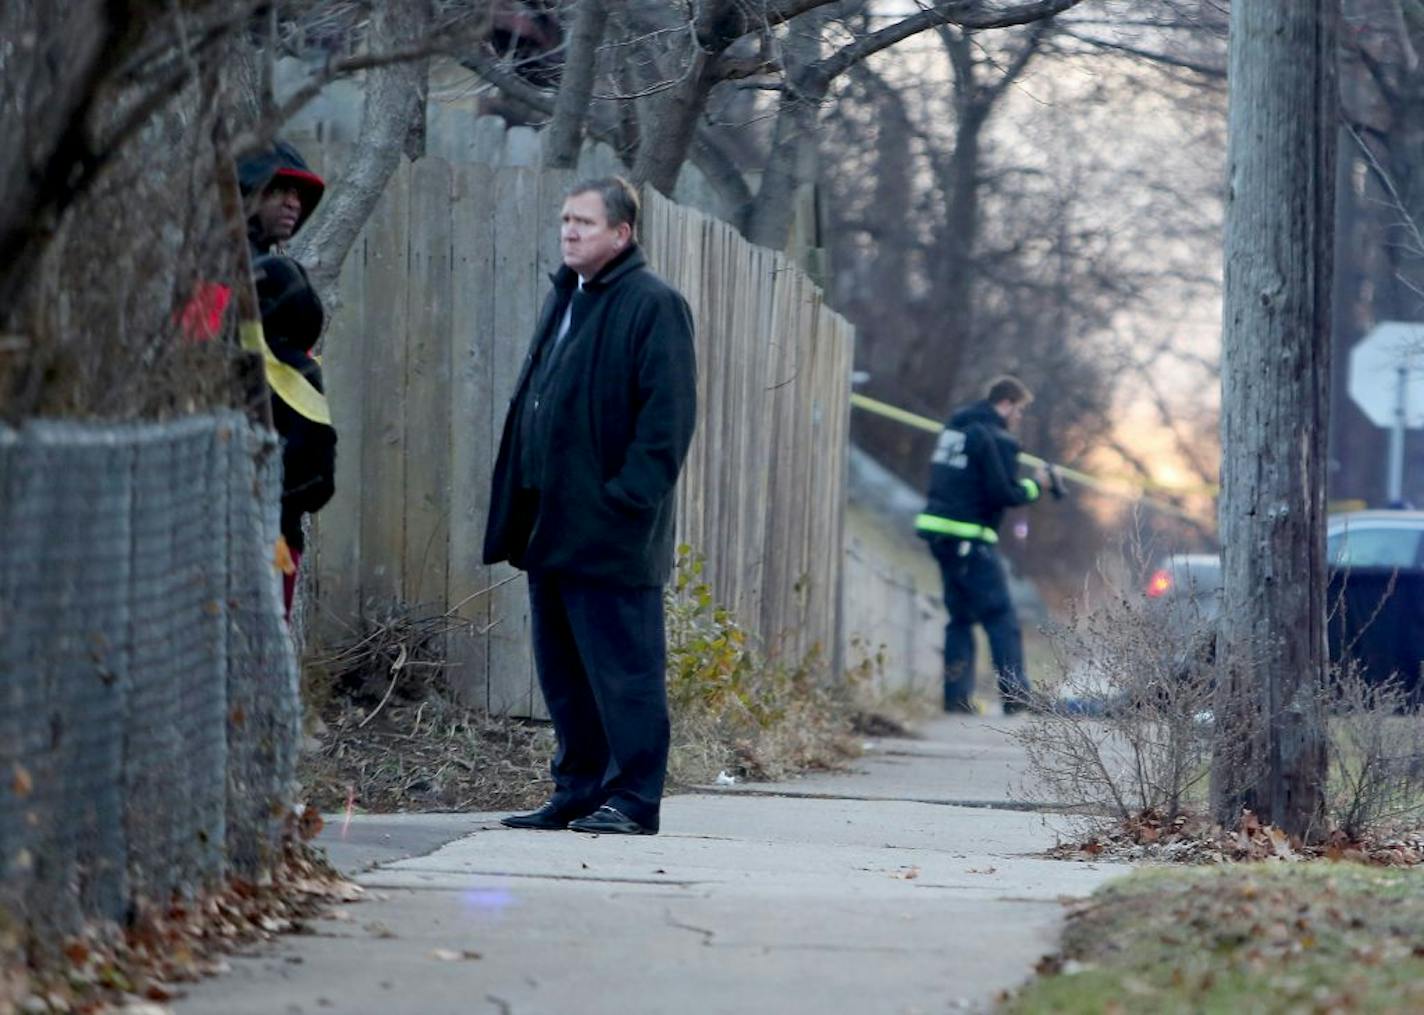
<point x="149" y="704"/>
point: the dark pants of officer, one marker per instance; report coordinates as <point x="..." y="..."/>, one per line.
<point x="976" y="591"/>
<point x="601" y="652"/>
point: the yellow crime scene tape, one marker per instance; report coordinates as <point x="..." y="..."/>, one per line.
<point x="287" y="381"/>
<point x="1123" y="488"/>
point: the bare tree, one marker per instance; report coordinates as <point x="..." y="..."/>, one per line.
<point x="590" y="20"/>
<point x="1380" y="202"/>
<point x="706" y="50"/>
<point x="1270" y="754"/>
<point x="394" y="106"/>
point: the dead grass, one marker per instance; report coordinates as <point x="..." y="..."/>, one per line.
<point x="1338" y="938"/>
<point x="432" y="755"/>
<point x="385" y="733"/>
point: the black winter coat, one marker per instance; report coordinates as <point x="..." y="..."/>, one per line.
<point x="597" y="431"/>
<point x="974" y="472"/>
<point x="292" y="318"/>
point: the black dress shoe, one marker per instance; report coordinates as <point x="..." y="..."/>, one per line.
<point x="609" y="821"/>
<point x="548" y="818"/>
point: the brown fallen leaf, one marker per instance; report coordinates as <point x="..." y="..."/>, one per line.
<point x="22" y="784"/>
<point x="310" y="824"/>
<point x="156" y="991"/>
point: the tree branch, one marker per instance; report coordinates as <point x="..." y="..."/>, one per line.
<point x="561" y="149"/>
<point x="1181" y="63"/>
<point x="395" y="100"/>
<point x="976" y="15"/>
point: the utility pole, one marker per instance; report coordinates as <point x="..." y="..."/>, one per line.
<point x="1270" y="750"/>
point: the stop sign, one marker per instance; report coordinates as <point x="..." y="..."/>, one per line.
<point x="1375" y="363"/>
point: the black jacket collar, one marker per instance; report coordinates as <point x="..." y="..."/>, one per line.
<point x="628" y="261"/>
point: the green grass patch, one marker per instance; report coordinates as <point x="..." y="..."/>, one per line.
<point x="1313" y="937"/>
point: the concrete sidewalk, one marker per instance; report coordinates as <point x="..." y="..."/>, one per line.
<point x="905" y="886"/>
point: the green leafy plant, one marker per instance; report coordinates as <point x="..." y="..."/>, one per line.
<point x="737" y="707"/>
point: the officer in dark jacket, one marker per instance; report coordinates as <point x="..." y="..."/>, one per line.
<point x="282" y="192"/>
<point x="973" y="481"/>
<point x="582" y="500"/>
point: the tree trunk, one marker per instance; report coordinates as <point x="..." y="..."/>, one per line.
<point x="769" y="223"/>
<point x="565" y="130"/>
<point x="667" y="133"/>
<point x="792" y="160"/>
<point x="395" y="100"/>
<point x="1270" y="750"/>
<point x="932" y="361"/>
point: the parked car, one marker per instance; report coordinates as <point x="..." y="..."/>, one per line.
<point x="1392" y="539"/>
<point x="1187" y="586"/>
<point x="1375" y="596"/>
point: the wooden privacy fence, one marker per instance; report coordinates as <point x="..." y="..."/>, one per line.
<point x="437" y="302"/>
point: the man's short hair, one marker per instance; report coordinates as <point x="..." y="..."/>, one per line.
<point x="1008" y="389"/>
<point x="620" y="200"/>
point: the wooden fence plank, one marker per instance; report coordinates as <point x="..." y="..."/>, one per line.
<point x="427" y="395"/>
<point x="335" y="546"/>
<point x="383" y="418"/>
<point x="516" y="239"/>
<point x="474" y="414"/>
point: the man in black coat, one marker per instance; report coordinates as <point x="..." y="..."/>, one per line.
<point x="282" y="192"/>
<point x="582" y="499"/>
<point x="973" y="481"/>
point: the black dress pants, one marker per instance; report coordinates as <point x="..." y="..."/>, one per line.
<point x="976" y="591"/>
<point x="601" y="653"/>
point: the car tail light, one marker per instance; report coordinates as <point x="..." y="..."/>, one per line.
<point x="1159" y="584"/>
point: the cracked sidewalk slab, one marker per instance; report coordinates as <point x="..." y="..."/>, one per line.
<point x="842" y="901"/>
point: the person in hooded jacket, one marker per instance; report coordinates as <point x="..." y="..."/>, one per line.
<point x="282" y="192"/>
<point x="973" y="481"/>
<point x="582" y="499"/>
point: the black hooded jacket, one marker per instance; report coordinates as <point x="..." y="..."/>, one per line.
<point x="292" y="318"/>
<point x="597" y="431"/>
<point x="974" y="472"/>
<point x="285" y="163"/>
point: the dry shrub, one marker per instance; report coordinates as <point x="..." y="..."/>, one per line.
<point x="1133" y="734"/>
<point x="1376" y="779"/>
<point x="1129" y="731"/>
<point x="737" y="708"/>
<point x="389" y="734"/>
